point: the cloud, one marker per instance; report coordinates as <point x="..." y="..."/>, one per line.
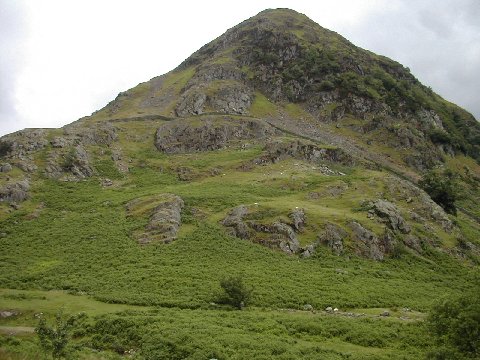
<point x="11" y="35"/>
<point x="438" y="40"/>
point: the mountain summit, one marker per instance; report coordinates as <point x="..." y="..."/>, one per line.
<point x="280" y="60"/>
<point x="328" y="176"/>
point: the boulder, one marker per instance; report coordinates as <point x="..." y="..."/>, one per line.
<point x="367" y="243"/>
<point x="234" y="221"/>
<point x="390" y="213"/>
<point x="165" y="221"/>
<point x="287" y="240"/>
<point x="333" y="236"/>
<point x="15" y="192"/>
<point x="298" y="219"/>
<point x="4" y="168"/>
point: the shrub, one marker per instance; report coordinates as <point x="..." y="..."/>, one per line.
<point x="442" y="188"/>
<point x="5" y="147"/>
<point x="235" y="292"/>
<point x="455" y="322"/>
<point x="54" y="339"/>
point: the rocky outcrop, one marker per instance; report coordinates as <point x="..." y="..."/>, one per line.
<point x="165" y="220"/>
<point x="367" y="244"/>
<point x="15" y="192"/>
<point x="298" y="218"/>
<point x="234" y="221"/>
<point x="391" y="215"/>
<point x="427" y="208"/>
<point x="99" y="134"/>
<point x="278" y="150"/>
<point x="208" y="134"/>
<point x="4" y="168"/>
<point x="276" y="235"/>
<point x="333" y="236"/>
<point x="78" y="164"/>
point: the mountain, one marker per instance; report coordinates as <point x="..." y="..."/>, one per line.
<point x="327" y="176"/>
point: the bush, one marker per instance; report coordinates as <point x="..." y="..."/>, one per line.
<point x="235" y="292"/>
<point x="5" y="147"/>
<point x="443" y="189"/>
<point x="54" y="339"/>
<point x="455" y="322"/>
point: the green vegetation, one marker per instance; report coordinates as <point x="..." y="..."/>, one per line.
<point x="235" y="292"/>
<point x="443" y="188"/>
<point x="455" y="322"/>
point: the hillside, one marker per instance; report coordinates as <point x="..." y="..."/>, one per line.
<point x="280" y="152"/>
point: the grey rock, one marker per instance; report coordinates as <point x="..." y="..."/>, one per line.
<point x="298" y="219"/>
<point x="367" y="243"/>
<point x="8" y="313"/>
<point x="60" y="142"/>
<point x="234" y="221"/>
<point x="15" y="192"/>
<point x="165" y="221"/>
<point x="388" y="211"/>
<point x="307" y="307"/>
<point x="183" y="136"/>
<point x="385" y="313"/>
<point x="81" y="166"/>
<point x="4" y="168"/>
<point x="26" y="166"/>
<point x="288" y="242"/>
<point x="308" y="251"/>
<point x="428" y="208"/>
<point x="279" y="150"/>
<point x="333" y="236"/>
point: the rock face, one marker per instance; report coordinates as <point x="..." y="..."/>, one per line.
<point x="367" y="243"/>
<point x="4" y="168"/>
<point x="388" y="211"/>
<point x="234" y="221"/>
<point x="275" y="235"/>
<point x="78" y="163"/>
<point x="427" y="207"/>
<point x="300" y="150"/>
<point x="298" y="219"/>
<point x="333" y="236"/>
<point x="15" y="192"/>
<point x="164" y="221"/>
<point x="182" y="136"/>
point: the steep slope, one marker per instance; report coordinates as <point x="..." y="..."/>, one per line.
<point x="280" y="151"/>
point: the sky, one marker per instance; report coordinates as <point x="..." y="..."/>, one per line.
<point x="64" y="59"/>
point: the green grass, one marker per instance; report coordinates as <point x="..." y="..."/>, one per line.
<point x="262" y="107"/>
<point x="72" y="246"/>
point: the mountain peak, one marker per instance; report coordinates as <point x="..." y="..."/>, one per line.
<point x="281" y="59"/>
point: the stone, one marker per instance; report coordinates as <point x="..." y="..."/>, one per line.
<point x="333" y="236"/>
<point x="4" y="168"/>
<point x="298" y="219"/>
<point x="184" y="137"/>
<point x="328" y="309"/>
<point x="234" y="221"/>
<point x="307" y="307"/>
<point x="385" y="313"/>
<point x="388" y="211"/>
<point x="165" y="220"/>
<point x="8" y="313"/>
<point x="15" y="192"/>
<point x="367" y="243"/>
<point x="288" y="242"/>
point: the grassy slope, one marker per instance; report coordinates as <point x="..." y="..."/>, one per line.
<point x="80" y="242"/>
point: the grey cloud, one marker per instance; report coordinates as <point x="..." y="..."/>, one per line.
<point x="438" y="40"/>
<point x="11" y="32"/>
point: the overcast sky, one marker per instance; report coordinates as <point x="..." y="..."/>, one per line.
<point x="63" y="59"/>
